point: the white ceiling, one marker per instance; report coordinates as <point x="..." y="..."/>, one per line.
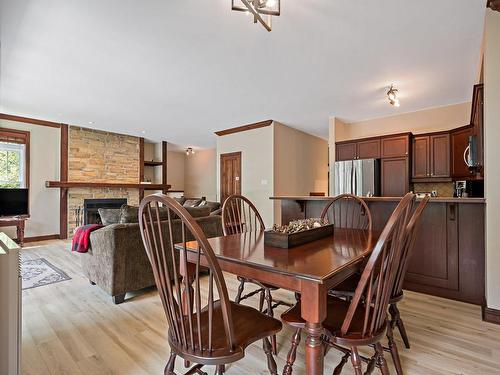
<point x="181" y="69"/>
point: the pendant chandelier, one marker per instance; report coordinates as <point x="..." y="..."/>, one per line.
<point x="261" y="10"/>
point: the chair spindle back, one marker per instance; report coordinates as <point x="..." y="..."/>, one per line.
<point x="348" y="211"/>
<point x="239" y="215"/>
<point x="412" y="231"/>
<point x="183" y="303"/>
<point x="379" y="275"/>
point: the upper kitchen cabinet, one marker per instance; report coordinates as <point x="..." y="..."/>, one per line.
<point x="459" y="139"/>
<point x="345" y="151"/>
<point x="431" y="157"/>
<point x="477" y="122"/>
<point x="362" y="149"/>
<point x="395" y="146"/>
<point x="368" y="149"/>
<point x="420" y="162"/>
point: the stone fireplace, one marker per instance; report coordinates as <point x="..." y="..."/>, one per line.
<point x="97" y="156"/>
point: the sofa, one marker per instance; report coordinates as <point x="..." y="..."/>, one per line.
<point x="117" y="261"/>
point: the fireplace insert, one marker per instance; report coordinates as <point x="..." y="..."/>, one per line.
<point x="91" y="206"/>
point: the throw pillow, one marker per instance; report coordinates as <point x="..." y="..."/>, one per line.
<point x="181" y="200"/>
<point x="129" y="214"/>
<point x="192" y="202"/>
<point x="109" y="215"/>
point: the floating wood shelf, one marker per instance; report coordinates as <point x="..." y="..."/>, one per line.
<point x="153" y="163"/>
<point x="109" y="185"/>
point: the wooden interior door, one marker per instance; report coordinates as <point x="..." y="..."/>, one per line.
<point x="230" y="175"/>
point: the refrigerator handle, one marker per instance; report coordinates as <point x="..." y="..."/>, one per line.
<point x="355" y="183"/>
<point x="352" y="176"/>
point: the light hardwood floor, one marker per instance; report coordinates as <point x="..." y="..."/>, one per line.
<point x="74" y="328"/>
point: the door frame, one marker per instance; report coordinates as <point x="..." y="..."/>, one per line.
<point x="236" y="153"/>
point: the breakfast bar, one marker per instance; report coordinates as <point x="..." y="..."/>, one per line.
<point x="449" y="256"/>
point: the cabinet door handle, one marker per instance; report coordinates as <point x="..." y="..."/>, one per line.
<point x="452" y="211"/>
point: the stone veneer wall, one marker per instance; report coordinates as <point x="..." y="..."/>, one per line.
<point x="97" y="156"/>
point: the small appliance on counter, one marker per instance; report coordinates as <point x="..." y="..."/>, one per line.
<point x="469" y="189"/>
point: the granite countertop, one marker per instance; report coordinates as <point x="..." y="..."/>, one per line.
<point x="387" y="199"/>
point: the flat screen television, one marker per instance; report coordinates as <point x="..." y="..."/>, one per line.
<point x="14" y="202"/>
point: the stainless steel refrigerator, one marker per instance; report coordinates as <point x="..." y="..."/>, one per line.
<point x="358" y="177"/>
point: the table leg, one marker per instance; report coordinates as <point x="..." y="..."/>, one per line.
<point x="314" y="313"/>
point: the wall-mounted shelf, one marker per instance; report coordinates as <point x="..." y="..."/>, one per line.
<point x="153" y="163"/>
<point x="108" y="185"/>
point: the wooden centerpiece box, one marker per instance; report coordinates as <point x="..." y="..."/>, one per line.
<point x="297" y="233"/>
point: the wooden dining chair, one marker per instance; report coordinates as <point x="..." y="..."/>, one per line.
<point x="347" y="288"/>
<point x="239" y="215"/>
<point x="363" y="320"/>
<point x="348" y="211"/>
<point x="203" y="329"/>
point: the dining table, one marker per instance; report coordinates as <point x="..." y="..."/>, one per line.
<point x="311" y="270"/>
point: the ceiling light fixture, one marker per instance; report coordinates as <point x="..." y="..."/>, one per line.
<point x="189" y="151"/>
<point x="259" y="9"/>
<point x="392" y="95"/>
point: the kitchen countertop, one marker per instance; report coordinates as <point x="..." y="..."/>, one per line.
<point x="386" y="199"/>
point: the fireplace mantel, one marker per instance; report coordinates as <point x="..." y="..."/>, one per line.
<point x="108" y="185"/>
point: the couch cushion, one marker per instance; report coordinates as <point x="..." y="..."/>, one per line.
<point x="214" y="206"/>
<point x="130" y="214"/>
<point x="191" y="202"/>
<point x="109" y="215"/>
<point x="198" y="211"/>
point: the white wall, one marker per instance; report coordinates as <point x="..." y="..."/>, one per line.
<point x="257" y="173"/>
<point x="424" y="121"/>
<point x="200" y="174"/>
<point x="492" y="156"/>
<point x="300" y="164"/>
<point x="44" y="165"/>
<point x="175" y="169"/>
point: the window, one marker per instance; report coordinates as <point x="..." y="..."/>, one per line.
<point x="14" y="158"/>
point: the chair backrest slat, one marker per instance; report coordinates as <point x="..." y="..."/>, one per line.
<point x="182" y="299"/>
<point x="239" y="215"/>
<point x="379" y="275"/>
<point x="348" y="211"/>
<point x="412" y="230"/>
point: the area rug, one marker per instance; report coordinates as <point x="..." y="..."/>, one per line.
<point x="40" y="272"/>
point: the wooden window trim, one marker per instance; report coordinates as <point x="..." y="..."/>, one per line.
<point x="20" y="137"/>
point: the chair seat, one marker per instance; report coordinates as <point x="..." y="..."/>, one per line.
<point x="336" y="313"/>
<point x="250" y="325"/>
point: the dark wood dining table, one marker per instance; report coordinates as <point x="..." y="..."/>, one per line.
<point x="310" y="269"/>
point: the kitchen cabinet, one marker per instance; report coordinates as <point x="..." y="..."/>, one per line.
<point x="440" y="155"/>
<point x="435" y="258"/>
<point x="449" y="256"/>
<point x="477" y="122"/>
<point x="364" y="149"/>
<point x="420" y="165"/>
<point x="459" y="140"/>
<point x="394" y="177"/>
<point x="431" y="156"/>
<point x="395" y="146"/>
<point x="369" y="149"/>
<point x="448" y="259"/>
<point x="345" y="151"/>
